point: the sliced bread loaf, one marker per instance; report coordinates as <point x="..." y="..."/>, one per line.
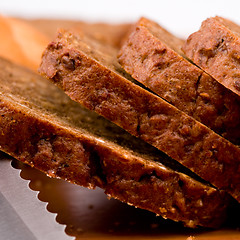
<point x="42" y="127"/>
<point x="153" y="57"/>
<point x="89" y="73"/>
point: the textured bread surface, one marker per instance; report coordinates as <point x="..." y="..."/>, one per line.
<point x="42" y="127"/>
<point x="215" y="48"/>
<point x="90" y="74"/>
<point x="153" y="57"/>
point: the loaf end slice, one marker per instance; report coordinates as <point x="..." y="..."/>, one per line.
<point x="215" y="48"/>
<point x="90" y="74"/>
<point x="42" y="127"/>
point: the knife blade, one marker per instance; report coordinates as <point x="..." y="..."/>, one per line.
<point x="11" y="225"/>
<point x="22" y="210"/>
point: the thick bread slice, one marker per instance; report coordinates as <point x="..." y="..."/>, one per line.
<point x="107" y="33"/>
<point x="42" y="127"/>
<point x="153" y="57"/>
<point x="216" y="49"/>
<point x="90" y="74"/>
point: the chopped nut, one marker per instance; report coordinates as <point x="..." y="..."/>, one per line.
<point x="162" y="210"/>
<point x="237" y="85"/>
<point x="205" y="95"/>
<point x="199" y="203"/>
<point x="191" y="224"/>
<point x="68" y="63"/>
<point x="185" y="130"/>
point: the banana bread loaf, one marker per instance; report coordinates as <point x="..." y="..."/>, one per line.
<point x="153" y="57"/>
<point x="89" y="73"/>
<point x="42" y="127"/>
<point x="215" y="48"/>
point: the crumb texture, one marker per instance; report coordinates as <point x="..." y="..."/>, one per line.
<point x="149" y="57"/>
<point x="42" y="127"/>
<point x="215" y="48"/>
<point x="97" y="83"/>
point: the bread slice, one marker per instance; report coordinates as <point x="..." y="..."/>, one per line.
<point x="215" y="48"/>
<point x="89" y="73"/>
<point x="111" y="34"/>
<point x="42" y="127"/>
<point x="153" y="57"/>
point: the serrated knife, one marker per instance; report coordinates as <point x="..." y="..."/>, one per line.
<point x="22" y="214"/>
<point x="11" y="225"/>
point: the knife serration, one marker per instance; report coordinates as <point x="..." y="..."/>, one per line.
<point x="31" y="211"/>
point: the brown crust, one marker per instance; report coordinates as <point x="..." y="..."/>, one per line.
<point x="148" y="56"/>
<point x="92" y="76"/>
<point x="42" y="127"/>
<point x="215" y="48"/>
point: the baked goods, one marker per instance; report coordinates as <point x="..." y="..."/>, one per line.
<point x="42" y="127"/>
<point x="215" y="48"/>
<point x="23" y="40"/>
<point x="108" y="33"/>
<point x="153" y="56"/>
<point x="89" y="73"/>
